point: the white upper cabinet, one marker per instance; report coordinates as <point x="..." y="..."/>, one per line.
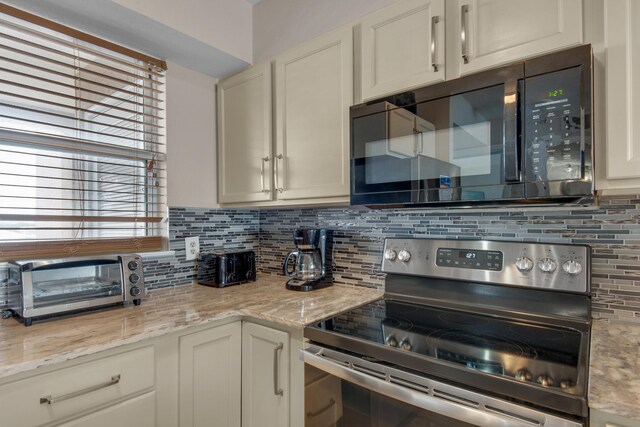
<point x="486" y="33"/>
<point x="622" y="85"/>
<point x="314" y="89"/>
<point x="244" y="136"/>
<point x="402" y="47"/>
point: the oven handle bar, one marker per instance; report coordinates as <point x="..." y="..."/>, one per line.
<point x="488" y="412"/>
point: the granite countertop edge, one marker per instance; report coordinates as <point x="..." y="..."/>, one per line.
<point x="30" y="348"/>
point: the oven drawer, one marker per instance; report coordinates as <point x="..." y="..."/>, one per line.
<point x="82" y="388"/>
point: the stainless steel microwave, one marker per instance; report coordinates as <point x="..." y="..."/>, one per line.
<point x="52" y="287"/>
<point x="518" y="133"/>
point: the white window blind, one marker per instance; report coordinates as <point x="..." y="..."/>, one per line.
<point x="82" y="156"/>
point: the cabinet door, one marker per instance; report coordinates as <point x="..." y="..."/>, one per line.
<point x="265" y="377"/>
<point x="622" y="53"/>
<point x="210" y="376"/>
<point x="139" y="411"/>
<point x="402" y="47"/>
<point x="244" y="136"/>
<point x="493" y="32"/>
<point x="313" y="93"/>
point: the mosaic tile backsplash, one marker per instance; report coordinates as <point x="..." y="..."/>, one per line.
<point x="611" y="229"/>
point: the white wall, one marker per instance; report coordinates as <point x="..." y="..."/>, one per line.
<point x="191" y="138"/>
<point x="225" y="24"/>
<point x="281" y="24"/>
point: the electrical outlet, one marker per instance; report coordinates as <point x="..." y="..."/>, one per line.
<point x="192" y="245"/>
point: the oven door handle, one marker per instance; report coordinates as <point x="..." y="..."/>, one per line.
<point x="511" y="144"/>
<point x="448" y="405"/>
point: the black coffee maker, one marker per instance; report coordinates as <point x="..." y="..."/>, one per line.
<point x="310" y="264"/>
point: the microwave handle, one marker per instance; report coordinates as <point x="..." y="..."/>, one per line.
<point x="58" y="264"/>
<point x="511" y="151"/>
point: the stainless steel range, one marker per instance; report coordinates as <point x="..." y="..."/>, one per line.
<point x="469" y="333"/>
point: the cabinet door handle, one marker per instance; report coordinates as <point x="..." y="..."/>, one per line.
<point x="262" y="161"/>
<point x="434" y="22"/>
<point x="276" y="173"/>
<point x="464" y="33"/>
<point x="276" y="370"/>
<point x="115" y="379"/>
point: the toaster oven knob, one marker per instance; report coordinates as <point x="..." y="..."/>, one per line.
<point x="134" y="278"/>
<point x="133" y="265"/>
<point x="390" y="254"/>
<point x="404" y="255"/>
<point x="547" y="265"/>
<point x="524" y="264"/>
<point x="135" y="291"/>
<point x="232" y="277"/>
<point x="250" y="274"/>
<point x="572" y="267"/>
<point x="391" y="341"/>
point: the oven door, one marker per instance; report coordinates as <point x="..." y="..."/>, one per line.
<point x="51" y="287"/>
<point x="342" y="390"/>
<point x="455" y="142"/>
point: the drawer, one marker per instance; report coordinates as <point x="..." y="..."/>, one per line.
<point x="77" y="389"/>
<point x="139" y="412"/>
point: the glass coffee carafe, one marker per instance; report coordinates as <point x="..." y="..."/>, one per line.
<point x="307" y="264"/>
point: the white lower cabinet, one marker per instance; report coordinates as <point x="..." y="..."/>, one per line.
<point x="230" y="374"/>
<point x="75" y="390"/>
<point x="139" y="412"/>
<point x="210" y="372"/>
<point x="265" y="376"/>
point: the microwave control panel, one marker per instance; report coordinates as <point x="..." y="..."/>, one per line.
<point x="553" y="127"/>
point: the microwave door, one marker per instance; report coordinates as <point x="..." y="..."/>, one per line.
<point x="383" y="163"/>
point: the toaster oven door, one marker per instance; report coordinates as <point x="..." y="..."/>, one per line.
<point x="54" y="287"/>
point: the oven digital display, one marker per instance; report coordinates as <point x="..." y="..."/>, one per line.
<point x="473" y="259"/>
<point x="468" y="255"/>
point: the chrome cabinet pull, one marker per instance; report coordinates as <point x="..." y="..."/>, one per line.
<point x="276" y="173"/>
<point x="320" y="411"/>
<point x="262" y="189"/>
<point x="115" y="379"/>
<point x="464" y="33"/>
<point x="434" y="22"/>
<point x="276" y="370"/>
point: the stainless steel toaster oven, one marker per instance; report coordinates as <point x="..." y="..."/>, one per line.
<point x="50" y="287"/>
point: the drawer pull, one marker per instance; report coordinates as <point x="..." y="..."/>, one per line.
<point x="115" y="379"/>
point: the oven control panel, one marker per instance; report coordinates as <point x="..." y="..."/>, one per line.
<point x="467" y="258"/>
<point x="534" y="265"/>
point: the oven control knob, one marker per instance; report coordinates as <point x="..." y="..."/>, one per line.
<point x="524" y="263"/>
<point x="133" y="265"/>
<point x="404" y="255"/>
<point x="135" y="291"/>
<point x="405" y="344"/>
<point x="572" y="267"/>
<point x="523" y="375"/>
<point x="391" y="341"/>
<point x="547" y="265"/>
<point x="545" y="380"/>
<point x="390" y="254"/>
<point x="134" y="278"/>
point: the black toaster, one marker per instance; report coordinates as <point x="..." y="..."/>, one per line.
<point x="222" y="269"/>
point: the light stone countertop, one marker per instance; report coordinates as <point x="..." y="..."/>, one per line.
<point x="168" y="310"/>
<point x="614" y="372"/>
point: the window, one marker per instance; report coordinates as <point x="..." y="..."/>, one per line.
<point x="82" y="159"/>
